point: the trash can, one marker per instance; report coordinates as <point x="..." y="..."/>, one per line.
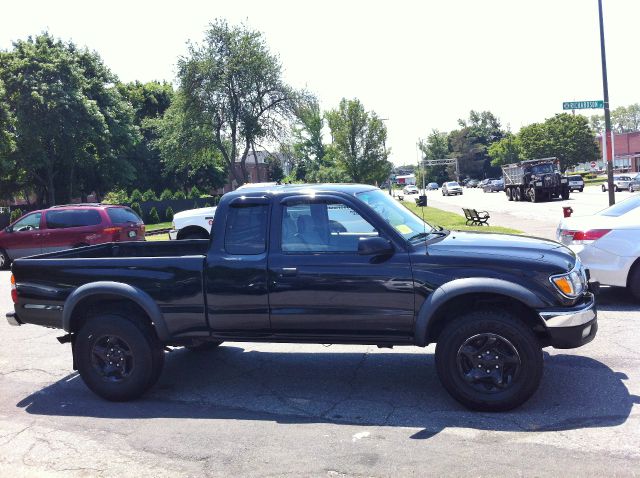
<point x="567" y="211"/>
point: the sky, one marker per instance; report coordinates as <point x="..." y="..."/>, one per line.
<point x="420" y="64"/>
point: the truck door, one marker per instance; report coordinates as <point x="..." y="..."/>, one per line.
<point x="236" y="269"/>
<point x="321" y="285"/>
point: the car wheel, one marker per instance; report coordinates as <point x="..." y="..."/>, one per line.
<point x="118" y="358"/>
<point x="634" y="281"/>
<point x="203" y="346"/>
<point x="565" y="194"/>
<point x="616" y="189"/>
<point x="604" y="189"/>
<point x="488" y="360"/>
<point x="581" y="189"/>
<point x="5" y="262"/>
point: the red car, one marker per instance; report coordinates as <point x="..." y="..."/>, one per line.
<point x="65" y="227"/>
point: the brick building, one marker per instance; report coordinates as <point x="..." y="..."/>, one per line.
<point x="626" y="152"/>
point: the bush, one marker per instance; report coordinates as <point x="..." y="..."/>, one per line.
<point x="206" y="205"/>
<point x="15" y="215"/>
<point x="149" y="195"/>
<point x="168" y="214"/>
<point x="194" y="193"/>
<point x="136" y="196"/>
<point x="136" y="208"/>
<point x="118" y="196"/>
<point x="153" y="216"/>
<point x="179" y="195"/>
<point x="166" y="194"/>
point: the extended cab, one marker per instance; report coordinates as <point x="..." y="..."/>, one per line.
<point x="316" y="264"/>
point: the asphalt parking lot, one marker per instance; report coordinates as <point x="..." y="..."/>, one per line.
<point x="310" y="410"/>
<point x="540" y="219"/>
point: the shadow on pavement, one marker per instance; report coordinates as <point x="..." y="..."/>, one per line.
<point x="377" y="389"/>
<point x="617" y="299"/>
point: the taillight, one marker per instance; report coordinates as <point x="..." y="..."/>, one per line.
<point x="14" y="291"/>
<point x="582" y="237"/>
<point x="114" y="231"/>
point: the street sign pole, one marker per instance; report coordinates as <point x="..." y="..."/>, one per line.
<point x="607" y="115"/>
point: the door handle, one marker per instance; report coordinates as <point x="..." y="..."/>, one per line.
<point x="288" y="271"/>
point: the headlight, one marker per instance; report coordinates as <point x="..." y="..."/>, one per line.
<point x="572" y="284"/>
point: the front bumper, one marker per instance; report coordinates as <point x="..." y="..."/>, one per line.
<point x="574" y="326"/>
<point x="173" y="234"/>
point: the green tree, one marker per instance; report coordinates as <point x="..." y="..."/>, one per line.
<point x="136" y="196"/>
<point x="307" y="148"/>
<point x="436" y="146"/>
<point x="149" y="101"/>
<point x="564" y="136"/>
<point x="135" y="207"/>
<point x="73" y="130"/>
<point x="359" y="141"/>
<point x="166" y="194"/>
<point x="15" y="215"/>
<point x="153" y="217"/>
<point x="187" y="148"/>
<point x="149" y="195"/>
<point x="168" y="213"/>
<point x="274" y="168"/>
<point x="118" y="196"/>
<point x="194" y="193"/>
<point x="232" y="85"/>
<point x="179" y="195"/>
<point x="506" y="151"/>
<point x="624" y="119"/>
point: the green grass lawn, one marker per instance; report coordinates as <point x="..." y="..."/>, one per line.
<point x="155" y="227"/>
<point x="450" y="220"/>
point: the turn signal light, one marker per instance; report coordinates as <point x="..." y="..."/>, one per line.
<point x="14" y="290"/>
<point x="583" y="237"/>
<point x="564" y="284"/>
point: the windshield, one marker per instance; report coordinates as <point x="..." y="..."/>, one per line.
<point x="452" y="184"/>
<point x="402" y="220"/>
<point x="621" y="208"/>
<point x="542" y="168"/>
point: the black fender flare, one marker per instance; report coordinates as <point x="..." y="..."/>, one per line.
<point x="126" y="291"/>
<point x="471" y="285"/>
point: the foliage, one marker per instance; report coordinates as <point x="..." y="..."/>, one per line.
<point x="624" y="119"/>
<point x="186" y="147"/>
<point x="232" y="85"/>
<point x="135" y="207"/>
<point x="506" y="151"/>
<point x="194" y="193"/>
<point x="168" y="214"/>
<point x="73" y="129"/>
<point x="166" y="194"/>
<point x="136" y="196"/>
<point x="565" y="136"/>
<point x="153" y="217"/>
<point x="117" y="196"/>
<point x="307" y="148"/>
<point x="436" y="146"/>
<point x="274" y="168"/>
<point x="149" y="195"/>
<point x="15" y="215"/>
<point x="179" y="194"/>
<point x="359" y="142"/>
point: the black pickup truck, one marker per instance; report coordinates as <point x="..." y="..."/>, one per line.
<point x="315" y="264"/>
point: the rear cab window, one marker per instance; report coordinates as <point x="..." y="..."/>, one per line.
<point x="246" y="229"/>
<point x="123" y="215"/>
<point x="66" y="218"/>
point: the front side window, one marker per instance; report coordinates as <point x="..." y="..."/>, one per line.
<point x="63" y="219"/>
<point x="28" y="223"/>
<point x="246" y="229"/>
<point x="323" y="227"/>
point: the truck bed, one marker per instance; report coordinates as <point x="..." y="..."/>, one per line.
<point x="170" y="272"/>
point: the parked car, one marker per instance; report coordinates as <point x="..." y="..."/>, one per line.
<point x="274" y="270"/>
<point x="192" y="224"/>
<point x="607" y="243"/>
<point x="473" y="183"/>
<point x="451" y="187"/>
<point x="410" y="189"/>
<point x="493" y="186"/>
<point x="65" y="227"/>
<point x="634" y="185"/>
<point x="620" y="182"/>
<point x="433" y="186"/>
<point x="576" y="183"/>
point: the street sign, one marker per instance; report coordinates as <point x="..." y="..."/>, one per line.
<point x="582" y="105"/>
<point x="593" y="164"/>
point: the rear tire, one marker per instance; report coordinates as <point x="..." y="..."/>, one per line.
<point x="118" y="358"/>
<point x="604" y="188"/>
<point x="565" y="194"/>
<point x="581" y="189"/>
<point x="5" y="262"/>
<point x="510" y="380"/>
<point x="634" y="282"/>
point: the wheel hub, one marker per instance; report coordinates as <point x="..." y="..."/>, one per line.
<point x="111" y="357"/>
<point x="488" y="362"/>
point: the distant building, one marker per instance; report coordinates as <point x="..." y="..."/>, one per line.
<point x="626" y="154"/>
<point x="406" y="179"/>
<point x="257" y="169"/>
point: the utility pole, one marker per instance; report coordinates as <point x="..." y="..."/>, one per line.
<point x="607" y="114"/>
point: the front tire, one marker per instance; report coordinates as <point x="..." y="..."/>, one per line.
<point x="5" y="262"/>
<point x="489" y="361"/>
<point x="118" y="358"/>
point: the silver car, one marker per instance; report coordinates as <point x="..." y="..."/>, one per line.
<point x="451" y="187"/>
<point x="620" y="182"/>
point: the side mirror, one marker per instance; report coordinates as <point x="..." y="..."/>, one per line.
<point x="8" y="229"/>
<point x="374" y="246"/>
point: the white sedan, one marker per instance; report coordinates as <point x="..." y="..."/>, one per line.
<point x="410" y="189"/>
<point x="607" y="243"/>
<point x="192" y="224"/>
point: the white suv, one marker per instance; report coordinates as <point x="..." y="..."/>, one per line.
<point x="192" y="224"/>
